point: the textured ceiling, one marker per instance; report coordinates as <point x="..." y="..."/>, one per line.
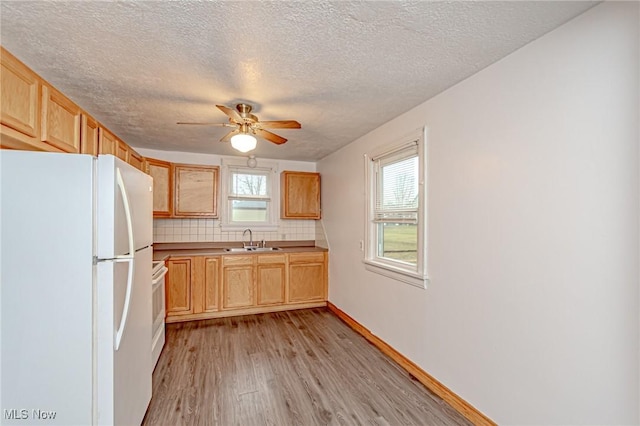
<point x="339" y="68"/>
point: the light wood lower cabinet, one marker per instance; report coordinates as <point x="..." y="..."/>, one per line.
<point x="200" y="287"/>
<point x="178" y="288"/>
<point x="271" y="272"/>
<point x="211" y="280"/>
<point x="237" y="282"/>
<point x="307" y="277"/>
<point x="192" y="285"/>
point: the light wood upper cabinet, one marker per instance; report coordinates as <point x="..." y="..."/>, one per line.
<point x="178" y="288"/>
<point x="122" y="150"/>
<point x="271" y="278"/>
<point x="20" y="99"/>
<point x="108" y="142"/>
<point x="196" y="190"/>
<point x="89" y="137"/>
<point x="136" y="160"/>
<point x="160" y="171"/>
<point x="61" y="120"/>
<point x="237" y="282"/>
<point x="307" y="277"/>
<point x="34" y="115"/>
<point x="299" y="195"/>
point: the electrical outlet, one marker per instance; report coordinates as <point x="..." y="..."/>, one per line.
<point x="361" y="245"/>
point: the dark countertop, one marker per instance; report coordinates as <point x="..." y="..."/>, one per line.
<point x="162" y="251"/>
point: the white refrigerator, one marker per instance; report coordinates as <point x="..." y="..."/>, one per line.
<point x="75" y="289"/>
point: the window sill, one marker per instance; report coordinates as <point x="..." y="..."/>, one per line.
<point x="398" y="274"/>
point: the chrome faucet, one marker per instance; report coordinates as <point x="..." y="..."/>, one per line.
<point x="250" y="238"/>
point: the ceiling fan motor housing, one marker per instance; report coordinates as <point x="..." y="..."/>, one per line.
<point x="245" y="112"/>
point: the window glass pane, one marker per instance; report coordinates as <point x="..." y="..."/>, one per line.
<point x="248" y="184"/>
<point x="399" y="185"/>
<point x="398" y="241"/>
<point x="249" y="210"/>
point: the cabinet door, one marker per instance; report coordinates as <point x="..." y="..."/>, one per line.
<point x="89" y="135"/>
<point x="122" y="150"/>
<point x="307" y="277"/>
<point x="196" y="189"/>
<point x="19" y="99"/>
<point x="60" y="120"/>
<point x="270" y="276"/>
<point x="237" y="282"/>
<point x="210" y="284"/>
<point x="204" y="287"/>
<point x="136" y="160"/>
<point x="160" y="171"/>
<point x="108" y="142"/>
<point x="270" y="284"/>
<point x="178" y="286"/>
<point x="300" y="195"/>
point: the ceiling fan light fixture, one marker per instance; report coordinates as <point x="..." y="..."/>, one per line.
<point x="243" y="142"/>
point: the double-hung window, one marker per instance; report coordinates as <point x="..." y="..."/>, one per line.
<point x="249" y="195"/>
<point x="396" y="211"/>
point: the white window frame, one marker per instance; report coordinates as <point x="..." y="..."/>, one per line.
<point x="401" y="271"/>
<point x="273" y="190"/>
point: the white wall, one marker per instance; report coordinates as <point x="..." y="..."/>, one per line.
<point x="209" y="230"/>
<point x="532" y="311"/>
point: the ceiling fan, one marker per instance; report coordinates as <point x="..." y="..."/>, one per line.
<point x="247" y="127"/>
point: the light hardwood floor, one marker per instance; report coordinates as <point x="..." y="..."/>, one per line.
<point x="301" y="367"/>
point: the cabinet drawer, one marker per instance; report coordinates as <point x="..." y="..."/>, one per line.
<point x="271" y="258"/>
<point x="237" y="260"/>
<point x="306" y="257"/>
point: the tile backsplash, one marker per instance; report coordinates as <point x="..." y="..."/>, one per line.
<point x="198" y="230"/>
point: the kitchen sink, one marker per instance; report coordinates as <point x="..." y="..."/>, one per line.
<point x="250" y="249"/>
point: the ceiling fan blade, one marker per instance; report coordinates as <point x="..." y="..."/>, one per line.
<point x="280" y="124"/>
<point x="227" y="137"/>
<point x="232" y="113"/>
<point x="271" y="137"/>
<point x="207" y="124"/>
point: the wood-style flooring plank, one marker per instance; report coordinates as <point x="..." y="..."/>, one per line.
<point x="302" y="367"/>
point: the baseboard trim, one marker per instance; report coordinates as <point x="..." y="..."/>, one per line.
<point x="463" y="407"/>
<point x="243" y="311"/>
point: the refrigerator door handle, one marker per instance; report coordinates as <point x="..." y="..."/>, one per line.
<point x="127" y="212"/>
<point x="127" y="301"/>
<point x="125" y="258"/>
